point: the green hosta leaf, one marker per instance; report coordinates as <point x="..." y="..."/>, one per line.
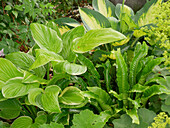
<point x="15" y="88"/>
<point x="85" y="61"/>
<point x="68" y="38"/>
<point x="4" y="124"/>
<point x="74" y="69"/>
<point x="9" y="109"/>
<point x="30" y="78"/>
<point x="102" y="95"/>
<point x="52" y="125"/>
<point x="22" y="122"/>
<point x="71" y="96"/>
<point x="45" y="56"/>
<point x="93" y="19"/>
<point x="54" y="26"/>
<point x="46" y="38"/>
<point x="105" y="7"/>
<point x="145" y="118"/>
<point x="2" y="84"/>
<point x="126" y="9"/>
<point x="86" y="119"/>
<point x="8" y="70"/>
<point x="78" y="80"/>
<point x="114" y="23"/>
<point x="24" y="61"/>
<point x="94" y="38"/>
<point x="153" y="90"/>
<point x="133" y="114"/>
<point x="122" y="75"/>
<point x="142" y="52"/>
<point x="148" y="68"/>
<point x="48" y="99"/>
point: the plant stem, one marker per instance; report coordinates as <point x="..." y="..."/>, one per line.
<point x="107" y="49"/>
<point x="48" y="71"/>
<point x="134" y="42"/>
<point x="121" y="15"/>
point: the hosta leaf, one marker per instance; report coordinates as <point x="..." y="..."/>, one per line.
<point x="148" y="68"/>
<point x="165" y="108"/>
<point x="46" y="99"/>
<point x="22" y="122"/>
<point x="68" y="38"/>
<point x="126" y="9"/>
<point x="30" y="78"/>
<point x="142" y="52"/>
<point x="54" y="26"/>
<point x="46" y="38"/>
<point x="71" y="96"/>
<point x="87" y="119"/>
<point x="105" y="7"/>
<point x="24" y="61"/>
<point x="94" y="38"/>
<point x="102" y="95"/>
<point x="85" y="61"/>
<point x="133" y="114"/>
<point x="114" y="23"/>
<point x="2" y="84"/>
<point x="4" y="124"/>
<point x="74" y="69"/>
<point x="8" y="70"/>
<point x="9" y="109"/>
<point x="15" y="88"/>
<point x="45" y="56"/>
<point x="79" y="81"/>
<point x="93" y="19"/>
<point x="122" y="74"/>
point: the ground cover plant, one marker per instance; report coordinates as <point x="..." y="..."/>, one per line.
<point x="105" y="72"/>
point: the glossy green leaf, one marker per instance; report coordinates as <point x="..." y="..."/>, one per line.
<point x="15" y="13"/>
<point x="79" y="81"/>
<point x="93" y="19"/>
<point x="154" y="90"/>
<point x="47" y="99"/>
<point x="105" y="7"/>
<point x="54" y="26"/>
<point x="46" y="38"/>
<point x="68" y="37"/>
<point x="148" y="68"/>
<point x="71" y="96"/>
<point x="8" y="7"/>
<point x="133" y="114"/>
<point x="90" y="66"/>
<point x="2" y="84"/>
<point x="22" y="122"/>
<point x="122" y="74"/>
<point x="9" y="109"/>
<point x="142" y="52"/>
<point x="74" y="69"/>
<point x="8" y="70"/>
<point x="94" y="38"/>
<point x="126" y="9"/>
<point x="24" y="61"/>
<point x="45" y="56"/>
<point x="138" y="88"/>
<point x="114" y="23"/>
<point x="15" y="88"/>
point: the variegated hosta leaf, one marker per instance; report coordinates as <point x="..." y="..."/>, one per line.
<point x="71" y="96"/>
<point x="122" y="75"/>
<point x="54" y="26"/>
<point x="96" y="37"/>
<point x="15" y="88"/>
<point x="46" y="38"/>
<point x="105" y="7"/>
<point x="93" y="19"/>
<point x="133" y="114"/>
<point x="68" y="37"/>
<point x="74" y="69"/>
<point x="45" y="99"/>
<point x="24" y="61"/>
<point x="45" y="56"/>
<point x="126" y="9"/>
<point x="8" y="70"/>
